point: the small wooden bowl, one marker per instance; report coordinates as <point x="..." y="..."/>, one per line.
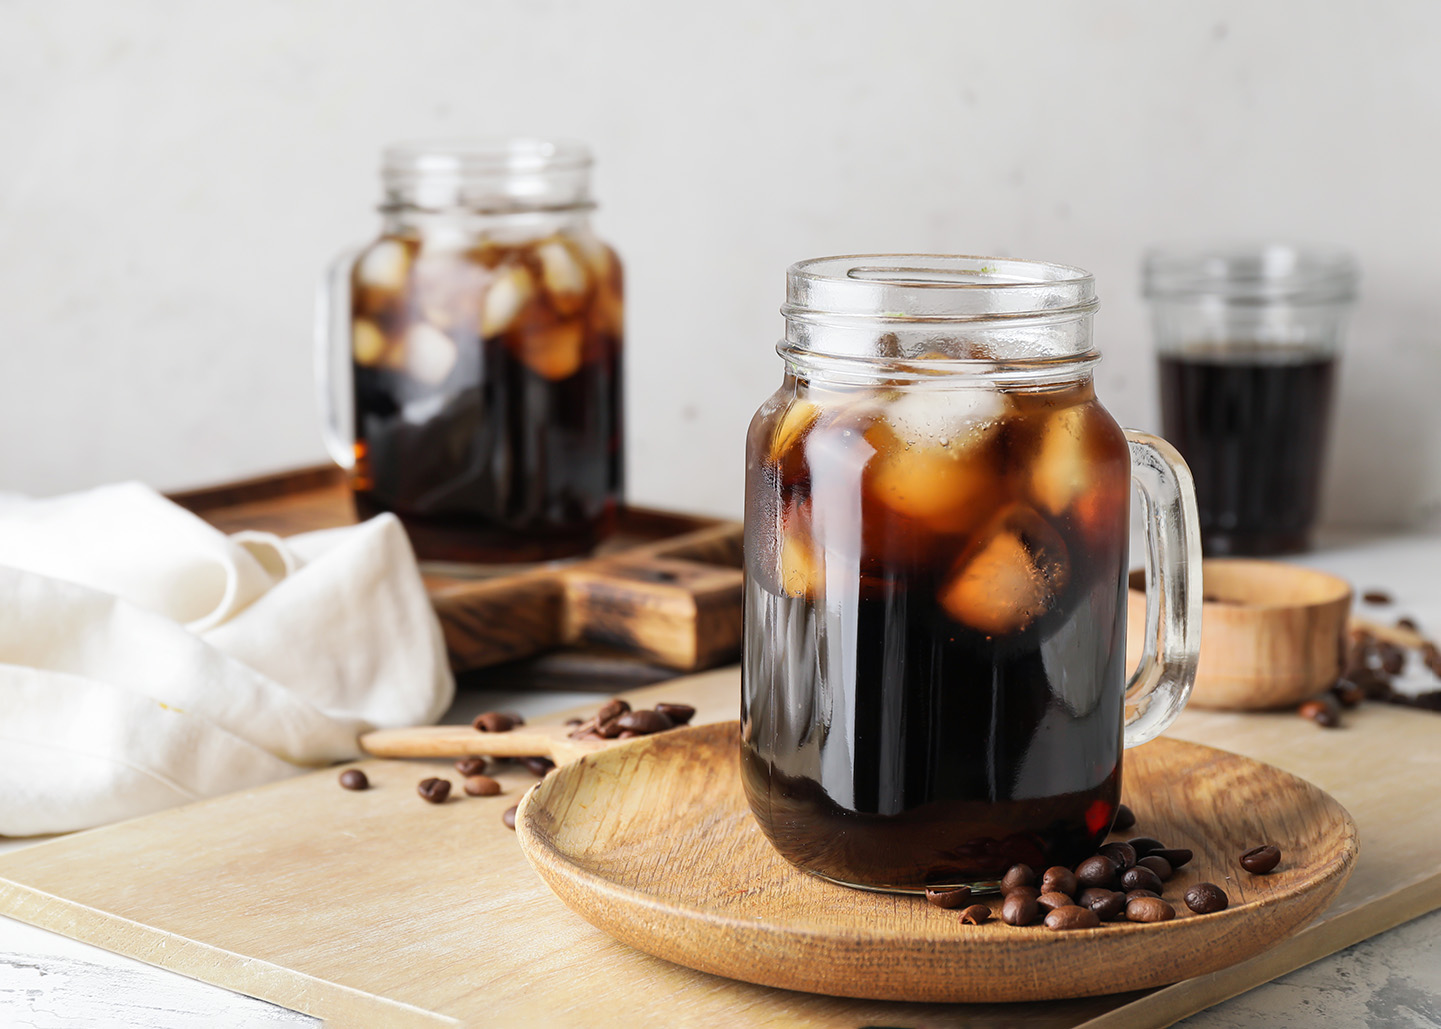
<point x="1272" y="634"/>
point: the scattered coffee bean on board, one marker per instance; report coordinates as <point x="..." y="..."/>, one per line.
<point x="1262" y="859"/>
<point x="1144" y="845"/>
<point x="1319" y="712"/>
<point x="1133" y="894"/>
<point x="1123" y="854"/>
<point x="1018" y="875"/>
<point x="1393" y="658"/>
<point x="679" y="714"/>
<point x="1108" y="905"/>
<point x="1347" y="693"/>
<point x="613" y="708"/>
<point x="1408" y="623"/>
<point x="539" y="767"/>
<point x="1157" y="864"/>
<point x="354" y="779"/>
<point x="956" y="897"/>
<point x="509" y="817"/>
<point x="1052" y="901"/>
<point x="1149" y="909"/>
<point x="1376" y="597"/>
<point x="1060" y="879"/>
<point x="1018" y="909"/>
<point x="1024" y="891"/>
<point x="1125" y="818"/>
<point x="434" y="790"/>
<point x="481" y="786"/>
<point x="1098" y="870"/>
<point x="643" y="723"/>
<point x="976" y="914"/>
<point x="1205" y="898"/>
<point x="1141" y="878"/>
<point x="1176" y="857"/>
<point x="469" y="766"/>
<point x="1072" y="917"/>
<point x="496" y="721"/>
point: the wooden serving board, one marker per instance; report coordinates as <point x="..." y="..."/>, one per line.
<point x="666" y="586"/>
<point x="375" y="908"/>
<point x="653" y="841"/>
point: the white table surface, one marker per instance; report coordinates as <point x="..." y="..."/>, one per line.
<point x="1392" y="981"/>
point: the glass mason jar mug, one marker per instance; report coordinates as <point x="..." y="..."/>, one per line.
<point x="937" y="515"/>
<point x="469" y="359"/>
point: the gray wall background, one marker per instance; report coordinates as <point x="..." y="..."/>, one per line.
<point x="174" y="175"/>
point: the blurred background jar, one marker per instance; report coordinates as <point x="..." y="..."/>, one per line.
<point x="1249" y="338"/>
<point x="469" y="358"/>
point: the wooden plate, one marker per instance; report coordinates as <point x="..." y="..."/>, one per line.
<point x="652" y="842"/>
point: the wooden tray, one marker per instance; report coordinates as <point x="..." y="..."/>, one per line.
<point x="653" y="842"/>
<point x="666" y="586"/>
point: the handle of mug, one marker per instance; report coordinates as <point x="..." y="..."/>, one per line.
<point x="332" y="359"/>
<point x="1161" y="684"/>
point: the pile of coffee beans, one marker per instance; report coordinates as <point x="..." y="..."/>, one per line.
<point x="1121" y="882"/>
<point x="1372" y="664"/>
<point x="617" y="721"/>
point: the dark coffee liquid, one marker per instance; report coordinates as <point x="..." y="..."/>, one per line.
<point x="1251" y="423"/>
<point x="897" y="733"/>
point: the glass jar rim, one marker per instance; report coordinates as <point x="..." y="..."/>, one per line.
<point x="487" y="174"/>
<point x="1249" y="273"/>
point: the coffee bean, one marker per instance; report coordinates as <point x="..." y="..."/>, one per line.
<point x="1141" y="878"/>
<point x="954" y="897"/>
<point x="1376" y="597"/>
<point x="1073" y="917"/>
<point x="434" y="790"/>
<point x="1024" y="891"/>
<point x="1144" y="845"/>
<point x="1407" y="622"/>
<point x="1176" y="857"/>
<point x="1123" y="855"/>
<point x="610" y="728"/>
<point x="573" y="722"/>
<point x="976" y="914"/>
<point x="1157" y="864"/>
<point x="1051" y="901"/>
<point x="1096" y="871"/>
<point x="1431" y="656"/>
<point x="468" y="766"/>
<point x="481" y="786"/>
<point x="495" y="721"/>
<point x="1125" y="818"/>
<point x="1149" y="909"/>
<point x="1017" y="875"/>
<point x="354" y="779"/>
<point x="643" y="723"/>
<point x="539" y="767"/>
<point x="1108" y="905"/>
<point x="1393" y="658"/>
<point x="627" y="734"/>
<point x="679" y="714"/>
<point x="1018" y="909"/>
<point x="1204" y="898"/>
<point x="613" y="708"/>
<point x="1319" y="712"/>
<point x="509" y="817"/>
<point x="1260" y="860"/>
<point x="1060" y="879"/>
<point x="1347" y="693"/>
<point x="1133" y="894"/>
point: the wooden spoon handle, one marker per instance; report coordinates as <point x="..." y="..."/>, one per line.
<point x="464" y="741"/>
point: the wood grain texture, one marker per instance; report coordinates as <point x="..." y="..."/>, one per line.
<point x="653" y="842"/>
<point x="375" y="908"/>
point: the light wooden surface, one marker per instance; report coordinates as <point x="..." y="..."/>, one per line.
<point x="653" y="841"/>
<point x="375" y="908"/>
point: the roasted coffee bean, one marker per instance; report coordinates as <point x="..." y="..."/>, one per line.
<point x="1123" y="855"/>
<point x="679" y="714"/>
<point x="1018" y="909"/>
<point x="1157" y="864"/>
<point x="354" y="779"/>
<point x="539" y="767"/>
<point x="1125" y="818"/>
<point x="1376" y="597"/>
<point x="434" y="790"/>
<point x="1176" y="857"/>
<point x="1319" y="712"/>
<point x="1060" y="879"/>
<point x="613" y="708"/>
<point x="610" y="728"/>
<point x="1144" y="845"/>
<point x="1017" y="875"/>
<point x="469" y="766"/>
<point x="1205" y="898"/>
<point x="1431" y="656"/>
<point x="509" y="817"/>
<point x="1141" y="878"/>
<point x="1025" y="891"/>
<point x="1053" y="900"/>
<point x="976" y="914"/>
<point x="643" y="723"/>
<point x="481" y="786"/>
<point x="1149" y="909"/>
<point x="1096" y="871"/>
<point x="495" y="721"/>
<point x="1347" y="693"/>
<point x="953" y="897"/>
<point x="1073" y="917"/>
<point x="1108" y="905"/>
<point x="573" y="722"/>
<point x="1393" y="658"/>
<point x="1409" y="623"/>
<point x="1260" y="860"/>
<point x="1133" y="894"/>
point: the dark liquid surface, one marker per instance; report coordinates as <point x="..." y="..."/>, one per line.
<point x="1254" y="434"/>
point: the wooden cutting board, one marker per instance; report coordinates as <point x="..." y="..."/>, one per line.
<point x="376" y="908"/>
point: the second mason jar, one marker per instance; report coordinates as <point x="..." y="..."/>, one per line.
<point x="471" y="355"/>
<point x="934" y="682"/>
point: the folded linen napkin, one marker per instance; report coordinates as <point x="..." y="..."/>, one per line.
<point x="148" y="659"/>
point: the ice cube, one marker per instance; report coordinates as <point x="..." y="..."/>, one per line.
<point x="509" y="292"/>
<point x="367" y="342"/>
<point x="802" y="571"/>
<point x="429" y="353"/>
<point x="1059" y="472"/>
<point x="448" y="290"/>
<point x="946" y="486"/>
<point x="553" y="351"/>
<point x="943" y="416"/>
<point x="563" y="276"/>
<point x="791" y="429"/>
<point x="384" y="266"/>
<point x="1010" y="575"/>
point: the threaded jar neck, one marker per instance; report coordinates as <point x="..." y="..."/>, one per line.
<point x="487" y="176"/>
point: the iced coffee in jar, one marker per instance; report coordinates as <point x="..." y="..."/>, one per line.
<point x="471" y="354"/>
<point x="936" y="557"/>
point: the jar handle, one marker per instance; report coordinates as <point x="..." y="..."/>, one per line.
<point x="332" y="359"/>
<point x="1161" y="684"/>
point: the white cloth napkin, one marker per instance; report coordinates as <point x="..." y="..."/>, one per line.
<point x="148" y="659"/>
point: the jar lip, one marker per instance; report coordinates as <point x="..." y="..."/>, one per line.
<point x="1244" y="272"/>
<point x="487" y="174"/>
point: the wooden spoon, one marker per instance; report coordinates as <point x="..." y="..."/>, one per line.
<point x="552" y="741"/>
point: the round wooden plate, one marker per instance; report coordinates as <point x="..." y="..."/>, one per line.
<point x="652" y="842"/>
